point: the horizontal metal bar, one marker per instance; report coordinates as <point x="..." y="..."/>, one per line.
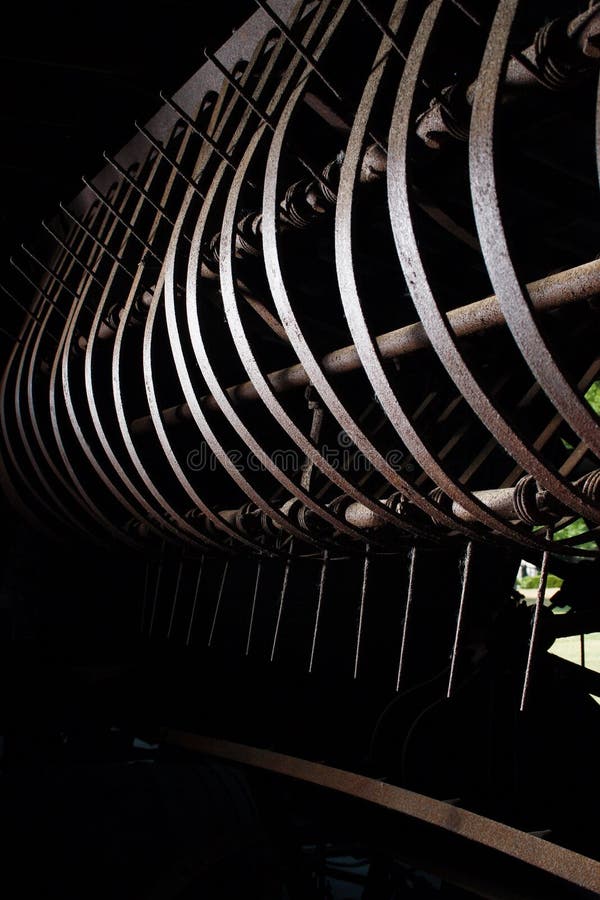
<point x="552" y="292"/>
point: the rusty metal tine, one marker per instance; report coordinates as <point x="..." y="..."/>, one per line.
<point x="175" y="597"/>
<point x="541" y="594"/>
<point x="361" y="609"/>
<point x="218" y="603"/>
<point x="68" y="249"/>
<point x="168" y="159"/>
<point x="407" y="610"/>
<point x="253" y="607"/>
<point x="121" y="218"/>
<point x="38" y="288"/>
<point x="199" y="131"/>
<point x="137" y="187"/>
<point x="284" y="585"/>
<point x="460" y="618"/>
<point x="159" y="572"/>
<point x="308" y="57"/>
<point x="188" y="638"/>
<point x="100" y="243"/>
<point x="318" y="609"/>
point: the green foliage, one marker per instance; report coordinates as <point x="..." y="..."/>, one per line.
<point x="592" y="395"/>
<point x="533" y="581"/>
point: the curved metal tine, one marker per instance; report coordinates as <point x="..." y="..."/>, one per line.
<point x="161" y="563"/>
<point x="38" y="288"/>
<point x="175" y="596"/>
<point x="75" y="294"/>
<point x="27" y="312"/>
<point x="541" y="595"/>
<point x="324" y="564"/>
<point x="199" y="131"/>
<point x="71" y="252"/>
<point x="174" y="165"/>
<point x="284" y="585"/>
<point x="361" y="609"/>
<point x="138" y="187"/>
<point x="97" y="241"/>
<point x="188" y="638"/>
<point x="121" y="218"/>
<point x="218" y="603"/>
<point x="253" y="608"/>
<point x="467" y="566"/>
<point x="407" y="611"/>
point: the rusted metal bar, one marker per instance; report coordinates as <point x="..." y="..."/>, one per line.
<point x="546" y="294"/>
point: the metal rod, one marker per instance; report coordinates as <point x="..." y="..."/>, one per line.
<point x="199" y="131"/>
<point x="68" y="249"/>
<point x="407" y="610"/>
<point x="218" y="604"/>
<point x="194" y="602"/>
<point x="38" y="288"/>
<point x="318" y="610"/>
<point x="174" y="165"/>
<point x="253" y="608"/>
<point x="361" y="609"/>
<point x="541" y="594"/>
<point x="460" y="619"/>
<point x="137" y="187"/>
<point x="552" y="292"/>
<point x="97" y="241"/>
<point x="120" y="218"/>
<point x="175" y="597"/>
<point x="286" y="575"/>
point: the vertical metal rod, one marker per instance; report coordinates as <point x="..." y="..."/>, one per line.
<point x="361" y="611"/>
<point x="97" y="241"/>
<point x="582" y="649"/>
<point x="318" y="610"/>
<point x="286" y="575"/>
<point x="536" y="619"/>
<point x="68" y="249"/>
<point x="121" y="218"/>
<point x="161" y="561"/>
<point x="298" y="47"/>
<point x="253" y="608"/>
<point x="174" y="165"/>
<point x="460" y="619"/>
<point x="407" y="611"/>
<point x="199" y="131"/>
<point x="195" y="601"/>
<point x="218" y="606"/>
<point x="175" y="597"/>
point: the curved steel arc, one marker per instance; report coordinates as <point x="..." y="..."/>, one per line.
<point x="434" y="321"/>
<point x="305" y="354"/>
<point x="511" y="294"/>
<point x="198" y="344"/>
<point x="76" y="421"/>
<point x="257" y="377"/>
<point x="179" y="359"/>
